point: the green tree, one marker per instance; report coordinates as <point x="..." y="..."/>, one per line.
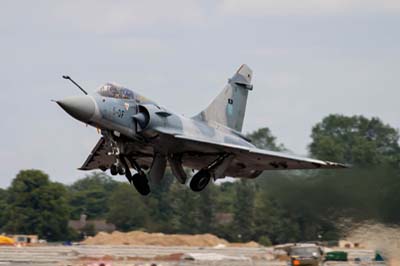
<point x="262" y="138"/>
<point x="193" y="213"/>
<point x="370" y="189"/>
<point x="127" y="209"/>
<point x="90" y="195"/>
<point x="185" y="209"/>
<point x="390" y="199"/>
<point x="355" y="140"/>
<point x="37" y="206"/>
<point x="3" y="206"/>
<point x="207" y="209"/>
<point x="225" y="195"/>
<point x="244" y="210"/>
<point x="159" y="205"/>
<point x="273" y="222"/>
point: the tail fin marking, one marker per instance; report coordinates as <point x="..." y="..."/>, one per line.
<point x="228" y="108"/>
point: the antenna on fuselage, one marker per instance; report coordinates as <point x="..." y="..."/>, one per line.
<point x="76" y="84"/>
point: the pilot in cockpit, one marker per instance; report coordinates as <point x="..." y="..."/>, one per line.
<point x="113" y="91"/>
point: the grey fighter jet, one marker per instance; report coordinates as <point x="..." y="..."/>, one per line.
<point x="140" y="134"/>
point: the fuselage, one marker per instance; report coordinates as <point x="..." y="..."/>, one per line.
<point x="114" y="109"/>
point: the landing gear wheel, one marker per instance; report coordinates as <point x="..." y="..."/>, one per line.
<point x="114" y="169"/>
<point x="139" y="180"/>
<point x="141" y="183"/>
<point x="200" y="180"/>
<point x="121" y="170"/>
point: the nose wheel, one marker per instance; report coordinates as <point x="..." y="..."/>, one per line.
<point x="141" y="183"/>
<point x="114" y="169"/>
<point x="117" y="169"/>
<point x="138" y="180"/>
<point x="200" y="180"/>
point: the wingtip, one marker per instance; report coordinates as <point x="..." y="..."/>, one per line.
<point x="338" y="165"/>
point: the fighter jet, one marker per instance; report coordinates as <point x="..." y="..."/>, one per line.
<point x="138" y="133"/>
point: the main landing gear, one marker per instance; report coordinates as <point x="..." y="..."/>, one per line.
<point x="200" y="180"/>
<point x="215" y="170"/>
<point x="121" y="167"/>
<point x="138" y="180"/>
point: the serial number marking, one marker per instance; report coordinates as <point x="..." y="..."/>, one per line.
<point x="118" y="112"/>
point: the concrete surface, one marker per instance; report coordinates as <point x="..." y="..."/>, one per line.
<point x="130" y="255"/>
<point x="92" y="255"/>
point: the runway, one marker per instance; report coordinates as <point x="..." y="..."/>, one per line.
<point x="122" y="255"/>
<point x="133" y="255"/>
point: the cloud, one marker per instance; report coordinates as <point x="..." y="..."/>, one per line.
<point x="100" y="16"/>
<point x="269" y="51"/>
<point x="306" y="7"/>
<point x="121" y="16"/>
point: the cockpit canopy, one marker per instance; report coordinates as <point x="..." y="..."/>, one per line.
<point x="115" y="91"/>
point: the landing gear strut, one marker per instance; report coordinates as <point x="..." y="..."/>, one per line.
<point x="121" y="167"/>
<point x="138" y="180"/>
<point x="200" y="180"/>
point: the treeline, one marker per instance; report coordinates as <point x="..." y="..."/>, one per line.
<point x="277" y="207"/>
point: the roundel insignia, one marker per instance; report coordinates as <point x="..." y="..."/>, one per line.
<point x="229" y="108"/>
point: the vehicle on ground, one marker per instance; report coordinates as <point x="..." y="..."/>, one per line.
<point x="305" y="256"/>
<point x="336" y="256"/>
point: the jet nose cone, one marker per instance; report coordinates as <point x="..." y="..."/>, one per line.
<point x="79" y="107"/>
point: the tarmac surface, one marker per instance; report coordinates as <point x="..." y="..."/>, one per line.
<point x="122" y="255"/>
<point x="93" y="255"/>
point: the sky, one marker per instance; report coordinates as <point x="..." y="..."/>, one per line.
<point x="310" y="58"/>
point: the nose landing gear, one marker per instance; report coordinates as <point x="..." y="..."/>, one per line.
<point x="138" y="180"/>
<point x="141" y="183"/>
<point x="117" y="169"/>
<point x="121" y="166"/>
<point x="113" y="169"/>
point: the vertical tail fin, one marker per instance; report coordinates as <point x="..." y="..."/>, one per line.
<point x="229" y="107"/>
